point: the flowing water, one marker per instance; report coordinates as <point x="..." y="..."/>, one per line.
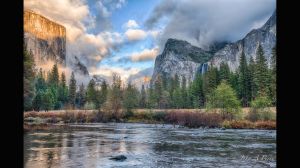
<point x="149" y="145"/>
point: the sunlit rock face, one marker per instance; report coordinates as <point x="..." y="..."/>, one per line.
<point x="45" y="38"/>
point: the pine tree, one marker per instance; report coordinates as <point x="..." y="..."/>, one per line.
<point x="177" y="98"/>
<point x="91" y="94"/>
<point x="174" y="84"/>
<point x="62" y="90"/>
<point x="40" y="84"/>
<point x="151" y="103"/>
<point x="261" y="72"/>
<point x="103" y="93"/>
<point x="164" y="100"/>
<point x="196" y="92"/>
<point x="210" y="78"/>
<point x="48" y="100"/>
<point x="37" y="102"/>
<point x="224" y="72"/>
<point x="81" y="99"/>
<point x="225" y="98"/>
<point x="115" y="97"/>
<point x="143" y="97"/>
<point x="29" y="76"/>
<point x="72" y="90"/>
<point x="273" y="77"/>
<point x="243" y="81"/>
<point x="252" y="84"/>
<point x="164" y="81"/>
<point x="130" y="98"/>
<point x="54" y="76"/>
<point x="184" y="93"/>
<point x="158" y="90"/>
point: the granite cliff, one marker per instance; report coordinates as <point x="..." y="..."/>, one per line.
<point x="181" y="58"/>
<point x="44" y="38"/>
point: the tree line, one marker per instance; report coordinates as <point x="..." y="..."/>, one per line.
<point x="252" y="79"/>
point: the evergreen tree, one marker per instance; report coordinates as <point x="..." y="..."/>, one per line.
<point x="173" y="85"/>
<point x="196" y="92"/>
<point x="261" y="72"/>
<point x="158" y="90"/>
<point x="103" y="93"/>
<point x="224" y="72"/>
<point x="177" y="98"/>
<point x="151" y="103"/>
<point x="91" y="96"/>
<point x="273" y="77"/>
<point x="54" y="76"/>
<point x="40" y="84"/>
<point x="143" y="97"/>
<point x="233" y="81"/>
<point x="243" y="81"/>
<point x="164" y="100"/>
<point x="62" y="90"/>
<point x="225" y="98"/>
<point x="252" y="84"/>
<point x="29" y="76"/>
<point x="184" y="93"/>
<point x="210" y="80"/>
<point x="81" y="98"/>
<point x="130" y="98"/>
<point x="164" y="81"/>
<point x="37" y="103"/>
<point x="48" y="100"/>
<point x="115" y="97"/>
<point x="72" y="90"/>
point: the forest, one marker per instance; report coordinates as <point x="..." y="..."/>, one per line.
<point x="252" y="84"/>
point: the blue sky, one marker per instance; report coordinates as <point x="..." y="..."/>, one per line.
<point x="125" y="36"/>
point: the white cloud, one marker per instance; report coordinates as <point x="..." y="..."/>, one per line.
<point x="108" y="71"/>
<point x="204" y="22"/>
<point x="135" y="34"/>
<point x="131" y="24"/>
<point x="154" y="33"/>
<point x="76" y="17"/>
<point x="146" y="54"/>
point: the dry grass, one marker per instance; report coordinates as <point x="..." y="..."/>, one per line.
<point x="194" y="119"/>
<point x="245" y="124"/>
<point x="185" y="117"/>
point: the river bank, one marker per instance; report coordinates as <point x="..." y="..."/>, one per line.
<point x="191" y="118"/>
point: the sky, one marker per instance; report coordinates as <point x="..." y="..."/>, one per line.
<point x="125" y="36"/>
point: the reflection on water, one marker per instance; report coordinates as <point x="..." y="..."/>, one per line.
<point x="145" y="145"/>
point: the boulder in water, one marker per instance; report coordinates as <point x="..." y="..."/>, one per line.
<point x="118" y="158"/>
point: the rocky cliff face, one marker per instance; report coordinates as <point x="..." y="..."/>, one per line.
<point x="181" y="58"/>
<point x="45" y="38"/>
<point x="266" y="36"/>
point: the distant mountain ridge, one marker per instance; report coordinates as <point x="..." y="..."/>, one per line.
<point x="181" y="58"/>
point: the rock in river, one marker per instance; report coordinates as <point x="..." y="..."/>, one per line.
<point x="118" y="158"/>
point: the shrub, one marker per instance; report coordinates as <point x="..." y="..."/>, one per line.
<point x="265" y="124"/>
<point x="81" y="117"/>
<point x="89" y="106"/>
<point x="159" y="116"/>
<point x="69" y="117"/>
<point x="260" y="109"/>
<point x="194" y="119"/>
<point x="128" y="114"/>
<point x="240" y="124"/>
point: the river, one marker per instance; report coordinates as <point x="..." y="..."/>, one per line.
<point x="149" y="145"/>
